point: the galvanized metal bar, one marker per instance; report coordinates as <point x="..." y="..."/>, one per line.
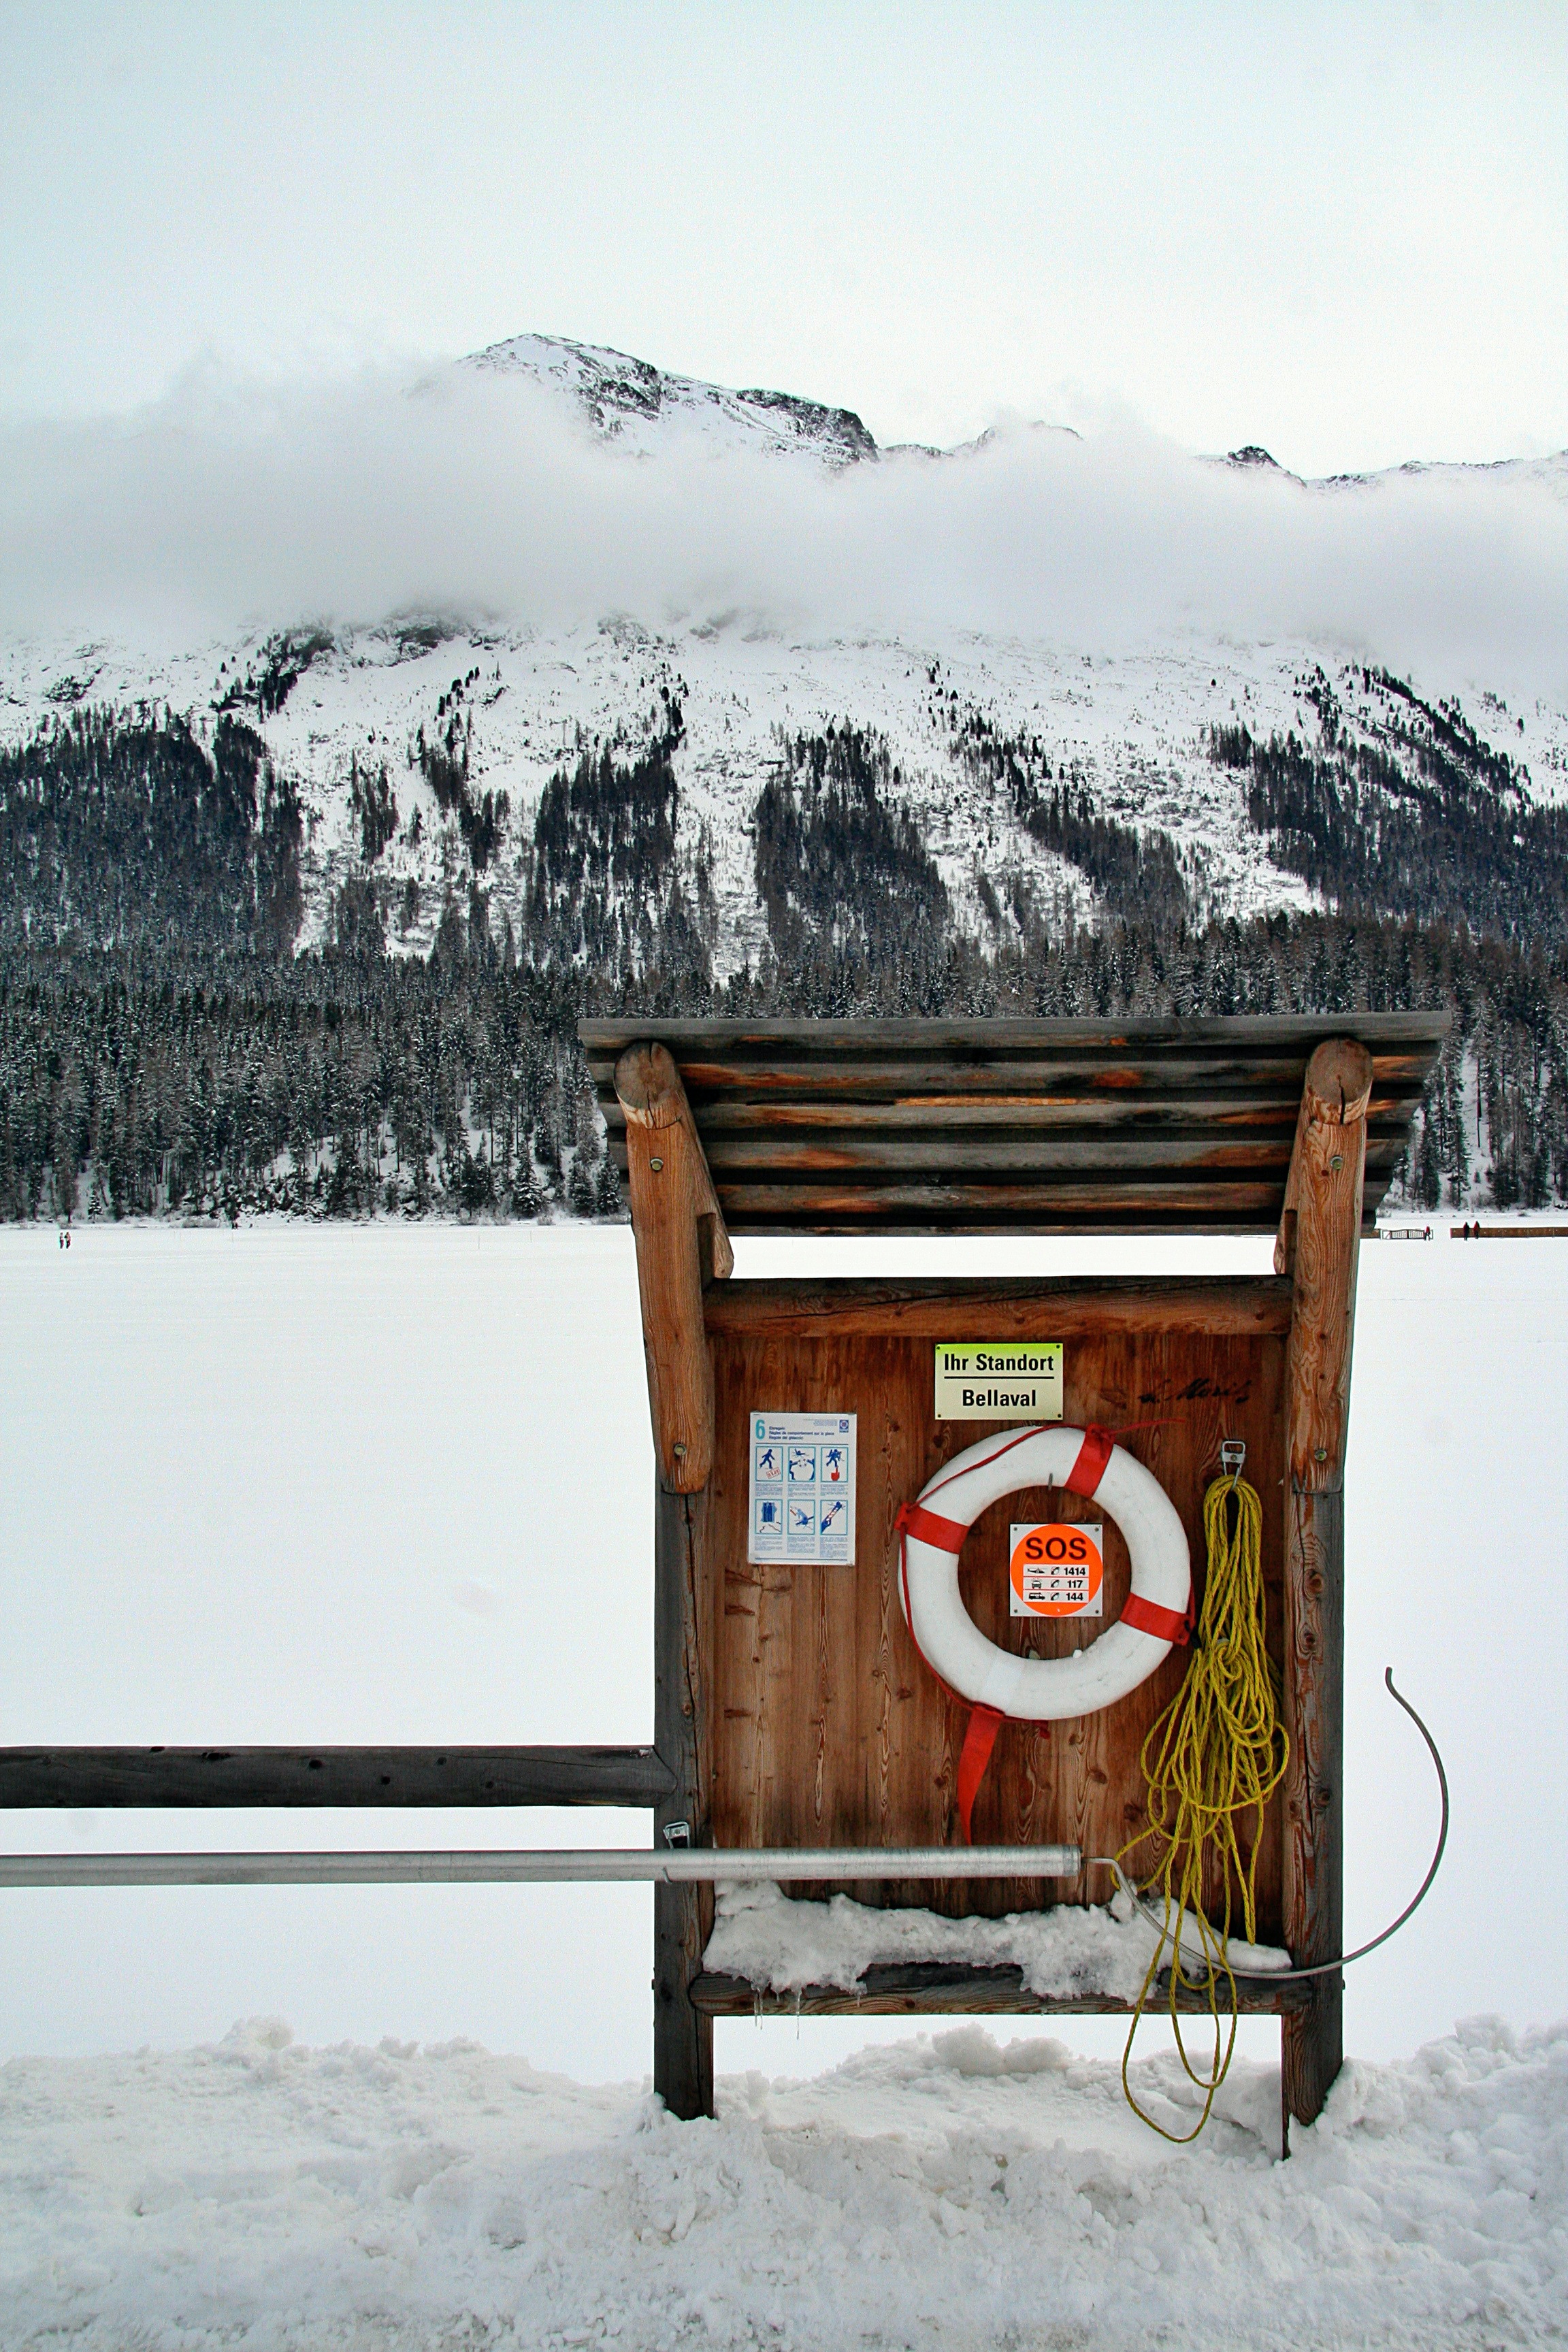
<point x="483" y="1866"/>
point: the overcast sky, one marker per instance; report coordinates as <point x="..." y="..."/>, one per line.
<point x="1341" y="232"/>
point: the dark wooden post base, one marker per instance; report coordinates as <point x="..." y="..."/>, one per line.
<point x="1312" y="2052"/>
<point x="1312" y="2038"/>
<point x="683" y="2035"/>
<point x="682" y="1915"/>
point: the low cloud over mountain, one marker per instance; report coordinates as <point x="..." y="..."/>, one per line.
<point x="550" y="484"/>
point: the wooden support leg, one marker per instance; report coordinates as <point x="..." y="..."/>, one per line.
<point x="682" y="1915"/>
<point x="681" y="1246"/>
<point x="1313" y="2038"/>
<point x="682" y="2036"/>
<point x="1319" y="1238"/>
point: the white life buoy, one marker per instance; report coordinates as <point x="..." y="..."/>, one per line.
<point x="1044" y="1690"/>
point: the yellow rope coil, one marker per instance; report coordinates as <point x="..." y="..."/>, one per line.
<point x="1212" y="1760"/>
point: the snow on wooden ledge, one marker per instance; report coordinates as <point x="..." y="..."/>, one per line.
<point x="782" y="1944"/>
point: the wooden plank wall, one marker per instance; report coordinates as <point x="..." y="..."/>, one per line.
<point x="826" y="1727"/>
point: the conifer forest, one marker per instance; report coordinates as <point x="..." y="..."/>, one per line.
<point x="165" y="1046"/>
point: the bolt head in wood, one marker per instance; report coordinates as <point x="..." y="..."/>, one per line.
<point x="1321" y="1453"/>
<point x="656" y="1165"/>
<point x="1337" y="1162"/>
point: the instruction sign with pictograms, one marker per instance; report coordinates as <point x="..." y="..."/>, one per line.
<point x="1057" y="1570"/>
<point x="999" y="1380"/>
<point x="802" y="1497"/>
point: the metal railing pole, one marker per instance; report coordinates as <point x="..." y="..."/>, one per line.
<point x="480" y="1866"/>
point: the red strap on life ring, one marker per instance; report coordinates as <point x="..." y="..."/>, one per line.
<point x="1143" y="1616"/>
<point x="1096" y="1451"/>
<point x="1165" y="1624"/>
<point x="930" y="1527"/>
<point x="978" y="1739"/>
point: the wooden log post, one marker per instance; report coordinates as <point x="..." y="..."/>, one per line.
<point x="682" y="1915"/>
<point x="682" y="1246"/>
<point x="1319" y="1233"/>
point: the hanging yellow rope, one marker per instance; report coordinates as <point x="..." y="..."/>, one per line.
<point x="1213" y="1759"/>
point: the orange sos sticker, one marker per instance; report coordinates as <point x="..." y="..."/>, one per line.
<point x="1057" y="1570"/>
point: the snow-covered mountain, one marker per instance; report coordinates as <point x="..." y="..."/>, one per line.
<point x="372" y="719"/>
<point x="1549" y="472"/>
<point x="635" y="405"/>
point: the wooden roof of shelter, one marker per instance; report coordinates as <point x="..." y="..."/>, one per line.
<point x="1153" y="1126"/>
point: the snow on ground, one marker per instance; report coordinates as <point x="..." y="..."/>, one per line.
<point x="949" y="2192"/>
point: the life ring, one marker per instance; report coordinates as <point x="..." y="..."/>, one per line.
<point x="1044" y="1690"/>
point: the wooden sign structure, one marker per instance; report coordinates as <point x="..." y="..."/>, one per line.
<point x="790" y="1707"/>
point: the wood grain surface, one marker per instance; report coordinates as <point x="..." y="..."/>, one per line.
<point x="1020" y="1126"/>
<point x="682" y="1915"/>
<point x="682" y="1243"/>
<point x="1319" y="1242"/>
<point x="1220" y="1306"/>
<point x="826" y="1727"/>
<point x="104" y="1777"/>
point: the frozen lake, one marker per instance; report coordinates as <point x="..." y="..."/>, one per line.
<point x="393" y="1484"/>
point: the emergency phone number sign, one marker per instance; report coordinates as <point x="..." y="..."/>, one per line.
<point x="802" y="1498"/>
<point x="999" y="1380"/>
<point x="1057" y="1570"/>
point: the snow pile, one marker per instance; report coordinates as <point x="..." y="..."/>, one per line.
<point x="945" y="2192"/>
<point x="780" y="1945"/>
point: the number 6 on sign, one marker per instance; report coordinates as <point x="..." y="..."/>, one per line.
<point x="1057" y="1570"/>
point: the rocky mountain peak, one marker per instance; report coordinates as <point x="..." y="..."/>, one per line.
<point x="639" y="408"/>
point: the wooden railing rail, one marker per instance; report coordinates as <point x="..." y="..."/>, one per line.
<point x="98" y="1779"/>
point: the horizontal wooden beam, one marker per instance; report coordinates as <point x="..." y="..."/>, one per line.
<point x="1107" y="1226"/>
<point x="1119" y="1159"/>
<point x="708" y="1077"/>
<point x="1017" y="1204"/>
<point x="101" y="1778"/>
<point x="940" y="1990"/>
<point x="1277" y="1033"/>
<point x="1508" y="1232"/>
<point x="1066" y="1114"/>
<point x="1113" y="1163"/>
<point x="1215" y="1305"/>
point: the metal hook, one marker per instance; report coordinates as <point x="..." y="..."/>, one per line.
<point x="1233" y="1457"/>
